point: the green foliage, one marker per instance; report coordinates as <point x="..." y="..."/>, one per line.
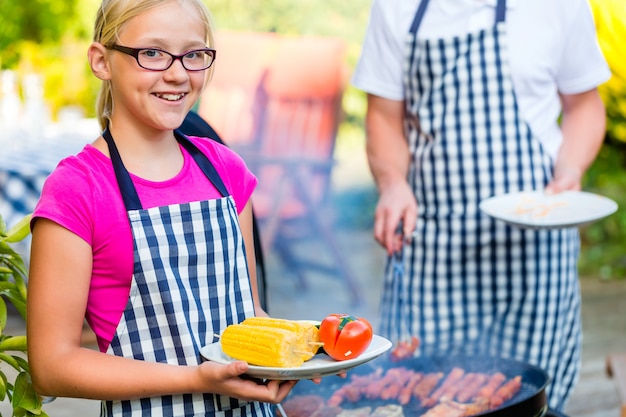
<point x="63" y="66"/>
<point x="602" y="251"/>
<point x="49" y="37"/>
<point x="36" y="21"/>
<point x="20" y="392"/>
<point x="614" y="97"/>
<point x="343" y="19"/>
<point x="290" y="17"/>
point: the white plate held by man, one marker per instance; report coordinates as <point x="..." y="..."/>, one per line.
<point x="538" y="210"/>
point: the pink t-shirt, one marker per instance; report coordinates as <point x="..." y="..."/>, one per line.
<point x="82" y="195"/>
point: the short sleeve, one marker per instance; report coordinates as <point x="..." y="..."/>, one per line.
<point x="65" y="200"/>
<point x="582" y="65"/>
<point x="379" y="69"/>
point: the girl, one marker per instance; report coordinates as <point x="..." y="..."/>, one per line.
<point x="147" y="234"/>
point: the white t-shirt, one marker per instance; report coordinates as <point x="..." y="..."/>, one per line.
<point x="552" y="48"/>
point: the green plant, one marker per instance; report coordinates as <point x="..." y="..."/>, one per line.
<point x="602" y="251"/>
<point x="24" y="400"/>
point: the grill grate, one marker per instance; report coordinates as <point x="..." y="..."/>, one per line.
<point x="530" y="400"/>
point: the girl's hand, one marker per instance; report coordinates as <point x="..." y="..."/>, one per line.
<point x="227" y="380"/>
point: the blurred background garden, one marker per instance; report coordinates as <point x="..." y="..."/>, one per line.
<point x="49" y="38"/>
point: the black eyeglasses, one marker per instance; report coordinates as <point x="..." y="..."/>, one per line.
<point x="155" y="59"/>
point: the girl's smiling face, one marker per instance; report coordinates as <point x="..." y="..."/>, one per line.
<point x="158" y="100"/>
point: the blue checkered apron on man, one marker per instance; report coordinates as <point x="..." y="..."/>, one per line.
<point x="190" y="282"/>
<point x="468" y="284"/>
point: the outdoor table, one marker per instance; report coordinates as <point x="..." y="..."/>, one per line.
<point x="25" y="165"/>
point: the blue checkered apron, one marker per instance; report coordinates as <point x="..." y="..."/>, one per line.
<point x="469" y="284"/>
<point x="190" y="281"/>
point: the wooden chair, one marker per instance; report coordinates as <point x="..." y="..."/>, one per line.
<point x="616" y="368"/>
<point x="287" y="134"/>
<point x="229" y="101"/>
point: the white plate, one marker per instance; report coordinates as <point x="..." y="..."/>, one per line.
<point x="534" y="209"/>
<point x="318" y="366"/>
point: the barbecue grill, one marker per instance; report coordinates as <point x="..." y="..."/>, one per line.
<point x="529" y="401"/>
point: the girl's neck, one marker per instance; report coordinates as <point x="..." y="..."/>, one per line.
<point x="151" y="154"/>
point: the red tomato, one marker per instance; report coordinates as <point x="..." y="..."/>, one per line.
<point x="345" y="336"/>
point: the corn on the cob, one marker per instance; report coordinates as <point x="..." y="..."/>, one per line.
<point x="262" y="345"/>
<point x="308" y="333"/>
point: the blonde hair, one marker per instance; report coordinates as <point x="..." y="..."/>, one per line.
<point x="110" y="18"/>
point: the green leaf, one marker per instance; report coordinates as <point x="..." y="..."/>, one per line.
<point x="5" y="248"/>
<point x="13" y="343"/>
<point x="24" y="395"/>
<point x="20" y="285"/>
<point x="3" y="230"/>
<point x="10" y="360"/>
<point x="20" y="231"/>
<point x="3" y="315"/>
<point x="17" y="300"/>
<point x="3" y="386"/>
<point x="23" y="363"/>
<point x="15" y="263"/>
<point x="6" y="286"/>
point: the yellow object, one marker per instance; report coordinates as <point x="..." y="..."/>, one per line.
<point x="262" y="345"/>
<point x="308" y="333"/>
<point x="610" y="20"/>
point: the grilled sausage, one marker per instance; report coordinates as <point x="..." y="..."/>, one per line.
<point x="506" y="392"/>
<point x="492" y="385"/>
<point x="472" y="387"/>
<point x="450" y="393"/>
<point x="454" y="375"/>
<point x="401" y="377"/>
<point x="427" y="385"/>
<point x="407" y="391"/>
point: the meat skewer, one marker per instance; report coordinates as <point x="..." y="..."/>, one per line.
<point x="472" y="387"/>
<point x="375" y="389"/>
<point x="450" y="393"/>
<point x="392" y="391"/>
<point x="426" y="385"/>
<point x="454" y="375"/>
<point x="354" y="390"/>
<point x="492" y="385"/>
<point x="506" y="392"/>
<point x="407" y="391"/>
<point x="404" y="349"/>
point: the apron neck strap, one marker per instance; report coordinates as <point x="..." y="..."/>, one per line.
<point x="421" y="10"/>
<point x="203" y="162"/>
<point x="500" y="11"/>
<point x="127" y="188"/>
